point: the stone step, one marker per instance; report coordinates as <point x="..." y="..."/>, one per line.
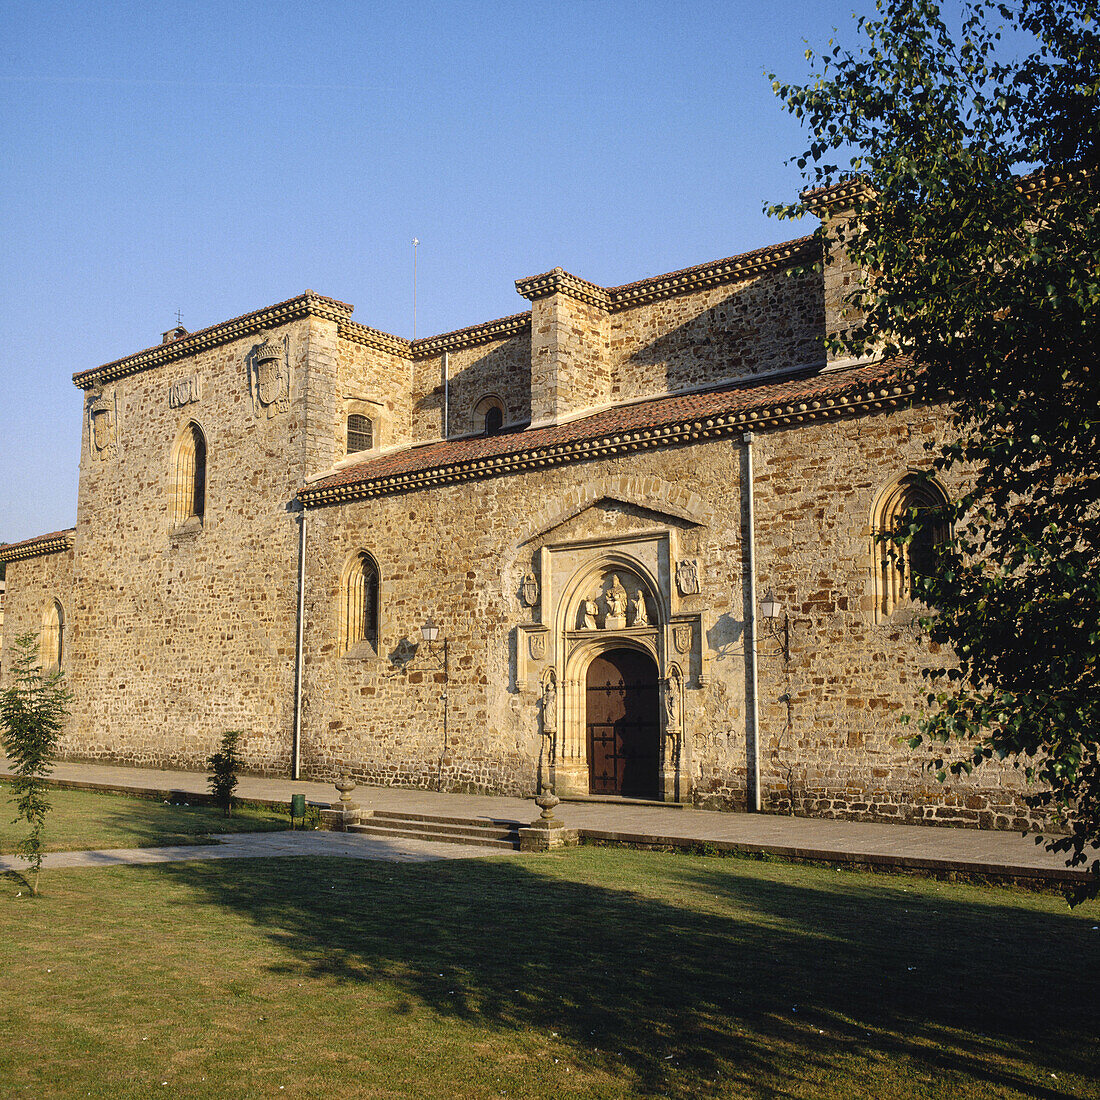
<point x="412" y="832"/>
<point x="498" y="823"/>
<point x="454" y="827"/>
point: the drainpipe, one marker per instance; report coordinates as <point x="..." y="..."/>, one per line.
<point x="446" y="394"/>
<point x="750" y="629"/>
<point x="299" y="511"/>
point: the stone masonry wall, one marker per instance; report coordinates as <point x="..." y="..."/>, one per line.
<point x="500" y="368"/>
<point x="382" y="382"/>
<point x="769" y="323"/>
<point x="32" y="585"/>
<point x="836" y="750"/>
<point x="182" y="633"/>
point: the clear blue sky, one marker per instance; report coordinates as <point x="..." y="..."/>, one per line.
<point x="218" y="157"/>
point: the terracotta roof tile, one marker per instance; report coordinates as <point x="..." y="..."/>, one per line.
<point x="661" y="412"/>
<point x="40" y="544"/>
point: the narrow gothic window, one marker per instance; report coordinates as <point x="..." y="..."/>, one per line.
<point x="896" y="564"/>
<point x="360" y="433"/>
<point x="494" y="420"/>
<point x="51" y="640"/>
<point x="190" y="475"/>
<point x="359" y="600"/>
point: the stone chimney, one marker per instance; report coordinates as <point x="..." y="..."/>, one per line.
<point x="570" y="341"/>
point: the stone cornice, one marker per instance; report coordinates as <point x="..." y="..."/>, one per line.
<point x="824" y="201"/>
<point x="854" y="401"/>
<point x="375" y="338"/>
<point x="307" y="304"/>
<point x="500" y="329"/>
<point x="53" y="543"/>
<point x="716" y="273"/>
<point x="687" y="281"/>
<point x="560" y="281"/>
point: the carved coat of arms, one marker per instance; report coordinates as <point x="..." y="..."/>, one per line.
<point x="681" y="638"/>
<point x="184" y="390"/>
<point x="687" y="577"/>
<point x="101" y="424"/>
<point x="537" y="646"/>
<point x="529" y="589"/>
<point x="270" y="378"/>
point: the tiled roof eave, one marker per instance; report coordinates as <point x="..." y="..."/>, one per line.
<point x="872" y="398"/>
<point x="307" y="304"/>
<point x="38" y="547"/>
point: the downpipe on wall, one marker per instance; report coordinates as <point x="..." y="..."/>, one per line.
<point x="755" y="801"/>
<point x="298" y="509"/>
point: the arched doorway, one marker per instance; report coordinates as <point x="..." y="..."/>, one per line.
<point x="623" y="724"/>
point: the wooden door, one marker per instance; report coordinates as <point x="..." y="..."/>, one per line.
<point x="623" y="724"/>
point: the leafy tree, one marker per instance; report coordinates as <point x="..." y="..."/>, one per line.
<point x="224" y="764"/>
<point x="32" y="713"/>
<point x="979" y="236"/>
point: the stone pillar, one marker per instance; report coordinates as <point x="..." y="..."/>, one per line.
<point x="836" y="207"/>
<point x="570" y="773"/>
<point x="570" y="342"/>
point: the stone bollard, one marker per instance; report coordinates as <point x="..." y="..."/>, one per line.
<point x="546" y="831"/>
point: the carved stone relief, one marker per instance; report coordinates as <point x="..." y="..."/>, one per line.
<point x="529" y="589"/>
<point x="615" y="599"/>
<point x="681" y="637"/>
<point x="687" y="577"/>
<point x="589" y="610"/>
<point x="184" y="391"/>
<point x="269" y="378"/>
<point x="550" y="705"/>
<point x="103" y="424"/>
<point x="537" y="645"/>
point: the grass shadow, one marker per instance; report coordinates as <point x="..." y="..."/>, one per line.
<point x="711" y="975"/>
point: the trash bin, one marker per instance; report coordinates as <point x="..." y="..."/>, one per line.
<point x="297" y="806"/>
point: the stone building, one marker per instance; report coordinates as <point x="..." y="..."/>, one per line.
<point x="587" y="500"/>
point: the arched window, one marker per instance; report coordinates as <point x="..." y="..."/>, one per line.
<point x="895" y="564"/>
<point x="189" y="489"/>
<point x="51" y="639"/>
<point x="359" y="606"/>
<point x="360" y="433"/>
<point x="489" y="415"/>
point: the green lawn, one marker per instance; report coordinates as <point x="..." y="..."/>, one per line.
<point x="591" y="972"/>
<point x="81" y="820"/>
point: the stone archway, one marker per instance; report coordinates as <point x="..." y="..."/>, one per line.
<point x="623" y="724"/>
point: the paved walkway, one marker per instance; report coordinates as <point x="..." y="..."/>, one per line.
<point x="264" y="846"/>
<point x="969" y="851"/>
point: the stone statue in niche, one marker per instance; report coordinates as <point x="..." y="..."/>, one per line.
<point x="641" y="615"/>
<point x="550" y="706"/>
<point x="687" y="577"/>
<point x="616" y="604"/>
<point x="589" y="609"/>
<point x="529" y="589"/>
<point x="270" y="378"/>
<point x="670" y="690"/>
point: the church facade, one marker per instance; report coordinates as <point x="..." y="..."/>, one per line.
<point x="620" y="543"/>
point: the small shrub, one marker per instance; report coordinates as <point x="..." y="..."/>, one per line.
<point x="224" y="764"/>
<point x="32" y="713"/>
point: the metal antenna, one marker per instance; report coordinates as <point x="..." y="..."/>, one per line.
<point x="179" y="319"/>
<point x="416" y="241"/>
